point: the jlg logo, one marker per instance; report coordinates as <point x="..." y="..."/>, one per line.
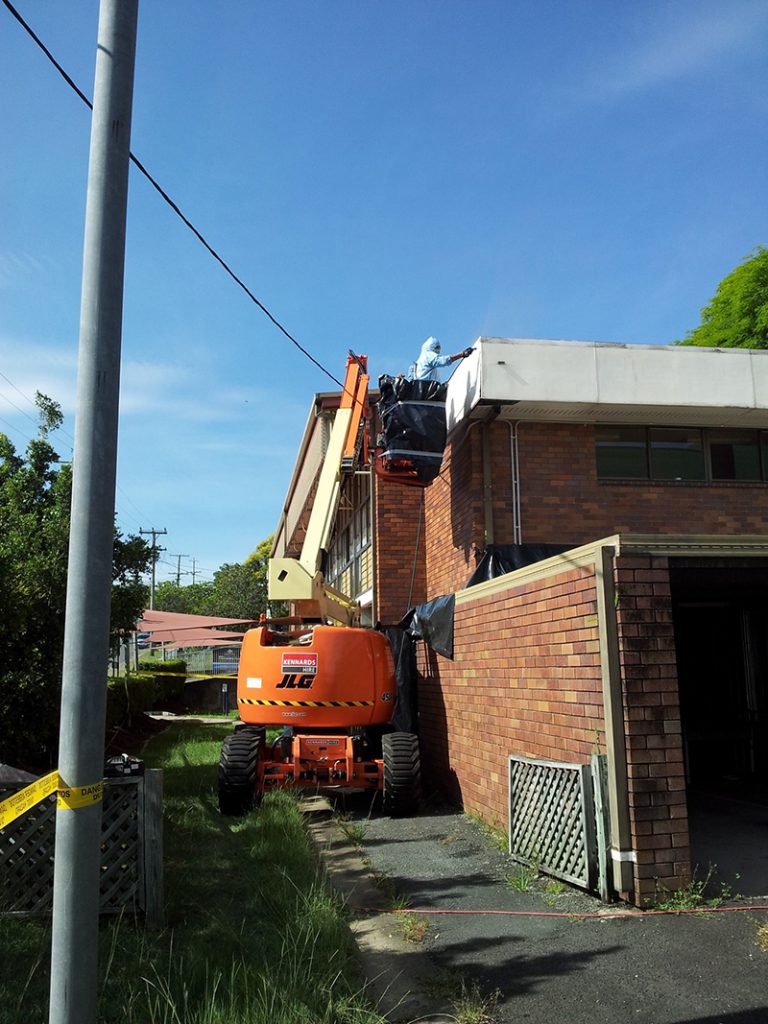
<point x="296" y="681"/>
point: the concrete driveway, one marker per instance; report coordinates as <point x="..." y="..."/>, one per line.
<point x="545" y="963"/>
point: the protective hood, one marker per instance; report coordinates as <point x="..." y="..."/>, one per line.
<point x="430" y="345"/>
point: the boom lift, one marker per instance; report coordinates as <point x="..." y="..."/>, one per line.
<point x="329" y="683"/>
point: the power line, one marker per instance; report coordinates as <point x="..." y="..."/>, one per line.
<point x="11" y="425"/>
<point x="164" y="195"/>
<point x="18" y="407"/>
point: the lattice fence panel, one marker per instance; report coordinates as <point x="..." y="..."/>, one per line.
<point x="27" y="849"/>
<point x="551" y="818"/>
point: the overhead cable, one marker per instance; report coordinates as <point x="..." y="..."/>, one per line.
<point x="155" y="184"/>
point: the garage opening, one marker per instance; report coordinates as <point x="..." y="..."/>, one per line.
<point x="720" y="612"/>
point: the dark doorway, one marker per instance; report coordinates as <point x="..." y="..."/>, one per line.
<point x="720" y="612"/>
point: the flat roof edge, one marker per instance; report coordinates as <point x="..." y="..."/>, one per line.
<point x="660" y="545"/>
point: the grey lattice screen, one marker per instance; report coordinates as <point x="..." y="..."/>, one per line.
<point x="551" y="818"/>
<point x="131" y="851"/>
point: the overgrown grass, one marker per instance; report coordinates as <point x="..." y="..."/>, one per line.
<point x="252" y="934"/>
<point x="699" y="893"/>
<point x="522" y="877"/>
<point x="470" y="1003"/>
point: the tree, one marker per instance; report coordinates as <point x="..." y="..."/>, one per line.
<point x="238" y="590"/>
<point x="35" y="497"/>
<point x="190" y="600"/>
<point x="737" y="316"/>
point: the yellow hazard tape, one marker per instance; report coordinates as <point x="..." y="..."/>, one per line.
<point x="14" y="806"/>
<point x="67" y="797"/>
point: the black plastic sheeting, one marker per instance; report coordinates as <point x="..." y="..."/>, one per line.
<point x="499" y="559"/>
<point x="405" y="715"/>
<point x="432" y="622"/>
<point x="412" y="415"/>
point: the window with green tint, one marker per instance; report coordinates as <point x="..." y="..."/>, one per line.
<point x="621" y="452"/>
<point x="734" y="454"/>
<point x="677" y="453"/>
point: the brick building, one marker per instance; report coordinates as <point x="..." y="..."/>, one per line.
<point x="645" y="639"/>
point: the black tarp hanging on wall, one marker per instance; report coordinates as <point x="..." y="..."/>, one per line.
<point x="405" y="715"/>
<point x="432" y="622"/>
<point x="412" y="414"/>
<point x="499" y="559"/>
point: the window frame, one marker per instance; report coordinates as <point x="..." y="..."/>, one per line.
<point x="705" y="433"/>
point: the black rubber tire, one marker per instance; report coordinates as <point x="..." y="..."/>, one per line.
<point x="237" y="771"/>
<point x="402" y="773"/>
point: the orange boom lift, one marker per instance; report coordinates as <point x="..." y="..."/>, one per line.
<point x="329" y="683"/>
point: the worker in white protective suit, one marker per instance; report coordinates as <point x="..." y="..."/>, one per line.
<point x="428" y="364"/>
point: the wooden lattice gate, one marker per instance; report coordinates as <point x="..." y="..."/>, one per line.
<point x="552" y="819"/>
<point x="131" y="851"/>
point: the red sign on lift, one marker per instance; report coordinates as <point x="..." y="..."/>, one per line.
<point x="304" y="662"/>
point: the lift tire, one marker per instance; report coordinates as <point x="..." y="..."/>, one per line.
<point x="240" y="753"/>
<point x="402" y="773"/>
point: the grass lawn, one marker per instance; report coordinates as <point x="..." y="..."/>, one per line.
<point x="252" y="936"/>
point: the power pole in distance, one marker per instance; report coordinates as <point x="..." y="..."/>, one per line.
<point x="76" y="876"/>
<point x="178" y="567"/>
<point x="154" y="534"/>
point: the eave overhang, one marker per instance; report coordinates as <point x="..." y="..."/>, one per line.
<point x="590" y="382"/>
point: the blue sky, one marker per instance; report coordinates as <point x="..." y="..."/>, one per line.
<point x="375" y="172"/>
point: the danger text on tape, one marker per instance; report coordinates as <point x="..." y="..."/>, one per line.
<point x="67" y="797"/>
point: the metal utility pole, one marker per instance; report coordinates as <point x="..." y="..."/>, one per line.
<point x="74" y="950"/>
<point x="178" y="567"/>
<point x="154" y="534"/>
<point x="194" y="571"/>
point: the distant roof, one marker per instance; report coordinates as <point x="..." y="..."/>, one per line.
<point x="195" y="637"/>
<point x="152" y="621"/>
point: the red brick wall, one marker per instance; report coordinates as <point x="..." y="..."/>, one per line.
<point x="658" y="810"/>
<point x="399" y="543"/>
<point x="525" y="680"/>
<point x="455" y="510"/>
<point x="562" y="499"/>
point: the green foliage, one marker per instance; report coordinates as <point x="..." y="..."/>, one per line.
<point x="131" y="556"/>
<point x="737" y="316"/>
<point x="173" y="666"/>
<point x="238" y="590"/>
<point x="127" y="697"/>
<point x="192" y="600"/>
<point x="522" y="877"/>
<point x="152" y="686"/>
<point x="699" y="893"/>
<point x="35" y="497"/>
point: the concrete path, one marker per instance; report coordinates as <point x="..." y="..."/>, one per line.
<point x="546" y="968"/>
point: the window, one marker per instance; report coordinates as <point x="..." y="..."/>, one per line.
<point x="350" y="549"/>
<point x="622" y="452"/>
<point x="676" y="454"/>
<point x="680" y="453"/>
<point x="735" y="454"/>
